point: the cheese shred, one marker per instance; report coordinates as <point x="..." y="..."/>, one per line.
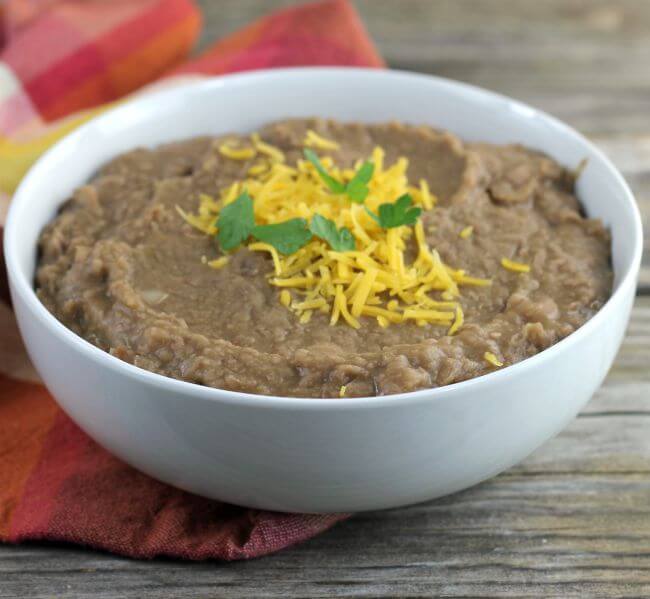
<point x="490" y="358"/>
<point x="236" y="153"/>
<point x="376" y="280"/>
<point x="285" y="298"/>
<point x="458" y="321"/>
<point x="218" y="262"/>
<point x="466" y="233"/>
<point x="514" y="266"/>
<point x="313" y="140"/>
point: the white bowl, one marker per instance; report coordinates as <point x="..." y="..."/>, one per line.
<point x="313" y="455"/>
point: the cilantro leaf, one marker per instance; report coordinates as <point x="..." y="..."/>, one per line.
<point x="397" y="214"/>
<point x="287" y="237"/>
<point x="235" y="222"/>
<point x="357" y="188"/>
<point x="340" y="240"/>
<point x="334" y="185"/>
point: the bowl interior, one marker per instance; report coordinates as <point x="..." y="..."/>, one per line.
<point x="242" y="103"/>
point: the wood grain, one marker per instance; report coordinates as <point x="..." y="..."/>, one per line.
<point x="573" y="520"/>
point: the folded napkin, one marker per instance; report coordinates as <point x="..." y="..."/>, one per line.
<point x="61" y="61"/>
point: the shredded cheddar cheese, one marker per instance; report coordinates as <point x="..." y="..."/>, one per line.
<point x="466" y="232"/>
<point x="313" y="140"/>
<point x="490" y="358"/>
<point x="218" y="262"/>
<point x="514" y="266"/>
<point x="275" y="154"/>
<point x="378" y="279"/>
<point x="342" y="391"/>
<point x="458" y="321"/>
<point x="258" y="169"/>
<point x="236" y="153"/>
<point x="285" y="298"/>
<point x="426" y="196"/>
<point x="265" y="247"/>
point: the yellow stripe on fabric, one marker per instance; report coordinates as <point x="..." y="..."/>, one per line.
<point x="16" y="157"/>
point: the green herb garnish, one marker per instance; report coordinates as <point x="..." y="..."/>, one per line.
<point x="397" y="214"/>
<point x="287" y="237"/>
<point x="235" y="222"/>
<point x="334" y="184"/>
<point x="356" y="189"/>
<point x="340" y="240"/>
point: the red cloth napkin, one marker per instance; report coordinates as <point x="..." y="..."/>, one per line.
<point x="64" y="56"/>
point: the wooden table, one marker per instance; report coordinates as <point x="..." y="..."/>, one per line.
<point x="574" y="519"/>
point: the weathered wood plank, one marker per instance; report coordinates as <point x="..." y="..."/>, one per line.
<point x="545" y="536"/>
<point x="633" y="361"/>
<point x="631" y="154"/>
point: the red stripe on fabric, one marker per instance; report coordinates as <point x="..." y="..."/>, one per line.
<point x="95" y="19"/>
<point x="166" y="14"/>
<point x="137" y="69"/>
<point x="80" y="493"/>
<point x="93" y="61"/>
<point x="156" y="56"/>
<point x="27" y="413"/>
<point x="59" y="30"/>
<point x="357" y="35"/>
<point x="21" y="13"/>
<point x="50" y="38"/>
<point x="58" y="463"/>
<point x="59" y="79"/>
<point x="321" y="33"/>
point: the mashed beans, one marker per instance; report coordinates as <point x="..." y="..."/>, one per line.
<point x="120" y="268"/>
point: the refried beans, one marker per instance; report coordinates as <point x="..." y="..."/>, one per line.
<point x="120" y="267"/>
